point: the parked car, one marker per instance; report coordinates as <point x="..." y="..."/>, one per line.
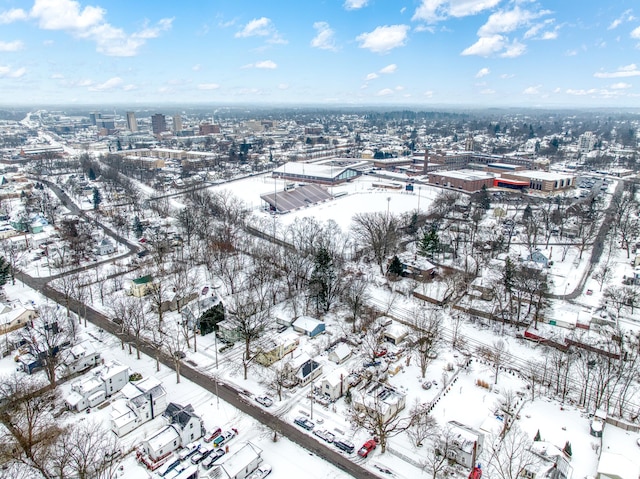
<point x="380" y="353"/>
<point x="263" y="471"/>
<point x="304" y="423"/>
<point x="324" y="435"/>
<point x="224" y="437"/>
<point x="213" y="457"/>
<point x="212" y="435"/>
<point x="264" y="400"/>
<point x="344" y="445"/>
<point x="189" y="450"/>
<point x="201" y="455"/>
<point x="426" y="385"/>
<point x="367" y="447"/>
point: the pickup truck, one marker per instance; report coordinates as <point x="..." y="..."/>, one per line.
<point x="304" y="423"/>
<point x="367" y="447"/>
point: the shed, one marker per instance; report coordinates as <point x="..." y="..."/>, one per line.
<point x="617" y="466"/>
<point x="309" y="326"/>
<point x="394" y="333"/>
<point x="340" y="353"/>
<point x="239" y="464"/>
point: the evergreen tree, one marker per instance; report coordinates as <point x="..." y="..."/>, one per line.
<point x="97" y="198"/>
<point x="92" y="174"/>
<point x="567" y="449"/>
<point x="527" y="214"/>
<point x="395" y="268"/>
<point x="210" y="319"/>
<point x="324" y="280"/>
<point x="430" y="243"/>
<point x="138" y="229"/>
<point x="5" y="271"/>
<point x="482" y="198"/>
<point x="538" y="437"/>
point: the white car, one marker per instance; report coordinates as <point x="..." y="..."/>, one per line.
<point x="263" y="471"/>
<point x="264" y="400"/>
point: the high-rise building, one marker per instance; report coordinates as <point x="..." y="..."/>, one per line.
<point x="93" y="116"/>
<point x="132" y="123"/>
<point x="177" y="123"/>
<point x="158" y="123"/>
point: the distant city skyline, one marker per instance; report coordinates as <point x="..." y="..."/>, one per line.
<point x="417" y="53"/>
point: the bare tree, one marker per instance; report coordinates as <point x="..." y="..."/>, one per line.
<point x="377" y="233"/>
<point x="511" y="457"/>
<point x="130" y="312"/>
<point x="495" y="355"/>
<point x="426" y="336"/>
<point x="355" y="295"/>
<point x="249" y="317"/>
<point x="45" y="336"/>
<point x="436" y="459"/>
<point x="423" y="425"/>
<point x="174" y="344"/>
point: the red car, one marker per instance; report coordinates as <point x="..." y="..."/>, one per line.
<point x="367" y="447"/>
<point x="380" y="353"/>
<point x="215" y="433"/>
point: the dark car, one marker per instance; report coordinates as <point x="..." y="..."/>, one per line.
<point x="213" y="457"/>
<point x="304" y="423"/>
<point x="344" y="445"/>
<point x="201" y="455"/>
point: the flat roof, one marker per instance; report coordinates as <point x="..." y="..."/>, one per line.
<point x="299" y="197"/>
<point x="310" y="170"/>
<point x="469" y="175"/>
<point x="543" y="175"/>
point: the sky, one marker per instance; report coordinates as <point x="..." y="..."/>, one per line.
<point x="418" y="53"/>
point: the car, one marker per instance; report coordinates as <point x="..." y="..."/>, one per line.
<point x="589" y="292"/>
<point x="367" y="447"/>
<point x="224" y="437"/>
<point x="304" y="423"/>
<point x="205" y="290"/>
<point x="201" y="455"/>
<point x="344" y="445"/>
<point x="212" y="435"/>
<point x="264" y="400"/>
<point x="263" y="471"/>
<point x="380" y="353"/>
<point x="212" y="458"/>
<point x="325" y="435"/>
<point x="188" y="451"/>
<point x="372" y="364"/>
<point x="426" y="385"/>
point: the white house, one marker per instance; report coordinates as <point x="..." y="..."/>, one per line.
<point x="384" y="399"/>
<point x="15" y="318"/>
<point x="302" y="369"/>
<point x="395" y="333"/>
<point x="162" y="443"/>
<point x="141" y="401"/>
<point x="340" y="353"/>
<point x="308" y="326"/>
<point x="239" y="464"/>
<point x="79" y="358"/>
<point x="463" y="441"/>
<point x="105" y="247"/>
<point x="186" y="421"/>
<point x="335" y="384"/>
<point x="95" y="388"/>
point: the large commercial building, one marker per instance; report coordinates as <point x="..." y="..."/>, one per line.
<point x="546" y="182"/>
<point x="177" y="123"/>
<point x="465" y="180"/>
<point x="132" y="122"/>
<point x="314" y="173"/>
<point x="158" y="123"/>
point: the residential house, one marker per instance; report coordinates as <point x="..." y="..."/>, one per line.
<point x="79" y="358"/>
<point x="384" y="399"/>
<point x="465" y="443"/>
<point x="551" y="464"/>
<point x="238" y="465"/>
<point x="538" y="258"/>
<point x="276" y="348"/>
<point x="140" y="402"/>
<point x="95" y="388"/>
<point x="141" y="286"/>
<point x="16" y="317"/>
<point x="184" y="427"/>
<point x="105" y="247"/>
<point x="617" y="466"/>
<point x="335" y="384"/>
<point x="340" y="353"/>
<point x="302" y="370"/>
<point x="308" y="326"/>
<point x="228" y="331"/>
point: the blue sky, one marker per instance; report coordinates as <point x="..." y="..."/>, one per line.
<point x="417" y="53"/>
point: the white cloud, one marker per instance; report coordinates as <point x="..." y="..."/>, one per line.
<point x="283" y="86"/>
<point x="389" y="69"/>
<point x="385" y="92"/>
<point x="89" y="23"/>
<point x="487" y="91"/>
<point x="635" y="33"/>
<point x="432" y="11"/>
<point x="625" y="17"/>
<point x="371" y="76"/>
<point x="384" y="39"/>
<point x="486" y="46"/>
<point x="506" y="76"/>
<point x="355" y="4"/>
<point x="513" y="50"/>
<point x="532" y="90"/>
<point x="621" y="86"/>
<point x="571" y="53"/>
<point x="266" y="64"/>
<point x="507" y="21"/>
<point x="428" y="93"/>
<point x="324" y="38"/>
<point x="197" y="67"/>
<point x="399" y="88"/>
<point x="129" y="87"/>
<point x="110" y="84"/>
<point x="483" y="72"/>
<point x="622" y="72"/>
<point x="11" y="46"/>
<point x="7" y="72"/>
<point x="208" y="86"/>
<point x="549" y="35"/>
<point x="57" y="76"/>
<point x="13" y="15"/>
<point x="257" y="27"/>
